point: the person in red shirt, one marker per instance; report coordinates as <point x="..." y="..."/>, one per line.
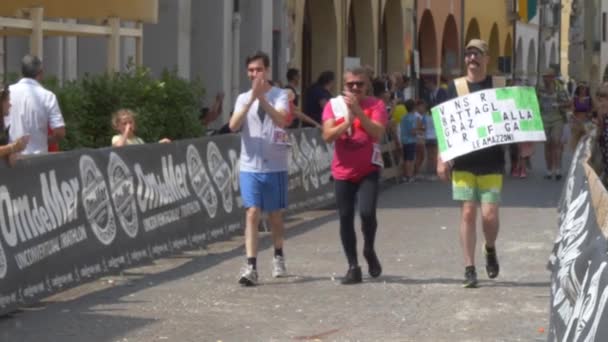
<point x="53" y="146"/>
<point x="356" y="122"/>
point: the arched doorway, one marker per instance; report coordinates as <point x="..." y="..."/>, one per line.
<point x="553" y="55"/>
<point x="542" y="57"/>
<point x="361" y="32"/>
<point x="519" y="59"/>
<point x="494" y="46"/>
<point x="472" y="31"/>
<point x="351" y="45"/>
<point x="507" y="53"/>
<point x="392" y="39"/>
<point x="450" y="56"/>
<point x="427" y="39"/>
<point x="531" y="68"/>
<point x="319" y="40"/>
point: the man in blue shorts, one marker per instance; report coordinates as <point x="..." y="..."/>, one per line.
<point x="261" y="115"/>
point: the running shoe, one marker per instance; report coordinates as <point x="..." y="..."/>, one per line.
<point x="249" y="276"/>
<point x="470" y="277"/>
<point x="492" y="267"/>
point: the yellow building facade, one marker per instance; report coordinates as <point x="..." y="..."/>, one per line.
<point x="490" y="21"/>
<point x="325" y="32"/>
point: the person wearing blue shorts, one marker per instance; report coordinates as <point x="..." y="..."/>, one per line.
<point x="409" y="129"/>
<point x="261" y="115"/>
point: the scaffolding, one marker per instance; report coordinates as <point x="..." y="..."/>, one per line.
<point x="40" y="18"/>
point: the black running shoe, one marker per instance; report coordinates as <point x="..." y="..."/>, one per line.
<point x="470" y="277"/>
<point x="353" y="276"/>
<point x="492" y="267"/>
<point x="374" y="267"/>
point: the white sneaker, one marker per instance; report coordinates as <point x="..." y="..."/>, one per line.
<point x="249" y="276"/>
<point x="278" y="267"/>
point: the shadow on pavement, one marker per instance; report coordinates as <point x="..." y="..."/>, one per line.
<point x="78" y="320"/>
<point x="390" y="279"/>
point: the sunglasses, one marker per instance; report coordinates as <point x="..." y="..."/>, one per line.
<point x="473" y="53"/>
<point x="359" y="84"/>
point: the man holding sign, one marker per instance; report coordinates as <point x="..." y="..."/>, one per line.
<point x="476" y="176"/>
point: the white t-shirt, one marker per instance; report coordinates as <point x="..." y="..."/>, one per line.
<point x="259" y="151"/>
<point x="33" y="110"/>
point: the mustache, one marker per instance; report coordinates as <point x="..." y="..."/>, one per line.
<point x="473" y="63"/>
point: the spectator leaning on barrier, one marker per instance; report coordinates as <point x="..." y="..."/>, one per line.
<point x="554" y="101"/>
<point x="356" y="122"/>
<point x="297" y="115"/>
<point x="6" y="149"/>
<point x="34" y="109"/>
<point x="293" y="83"/>
<point x="293" y="89"/>
<point x="318" y="94"/>
<point x="477" y="176"/>
<point x="123" y="121"/>
<point x="261" y="115"/>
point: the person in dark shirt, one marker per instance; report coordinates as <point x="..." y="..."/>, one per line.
<point x="477" y="176"/>
<point x="318" y="95"/>
<point x="293" y="83"/>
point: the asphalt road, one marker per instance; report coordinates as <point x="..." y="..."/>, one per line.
<point x="194" y="296"/>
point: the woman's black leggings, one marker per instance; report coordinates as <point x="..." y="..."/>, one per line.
<point x="346" y="197"/>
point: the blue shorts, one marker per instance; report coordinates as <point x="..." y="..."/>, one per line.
<point x="264" y="190"/>
<point x="409" y="152"/>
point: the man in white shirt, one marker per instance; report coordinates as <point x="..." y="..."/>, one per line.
<point x="34" y="109"/>
<point x="261" y="114"/>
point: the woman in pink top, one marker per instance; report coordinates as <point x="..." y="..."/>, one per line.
<point x="355" y="126"/>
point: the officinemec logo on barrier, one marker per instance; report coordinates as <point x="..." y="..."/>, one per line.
<point x="26" y="217"/>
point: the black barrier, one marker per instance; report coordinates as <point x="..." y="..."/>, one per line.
<point x="579" y="277"/>
<point x="70" y="218"/>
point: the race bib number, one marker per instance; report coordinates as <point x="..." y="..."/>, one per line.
<point x="377" y="156"/>
<point x="280" y="137"/>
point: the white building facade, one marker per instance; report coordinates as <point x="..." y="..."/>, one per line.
<point x="537" y="42"/>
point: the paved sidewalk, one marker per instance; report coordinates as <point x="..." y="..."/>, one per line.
<point x="195" y="296"/>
